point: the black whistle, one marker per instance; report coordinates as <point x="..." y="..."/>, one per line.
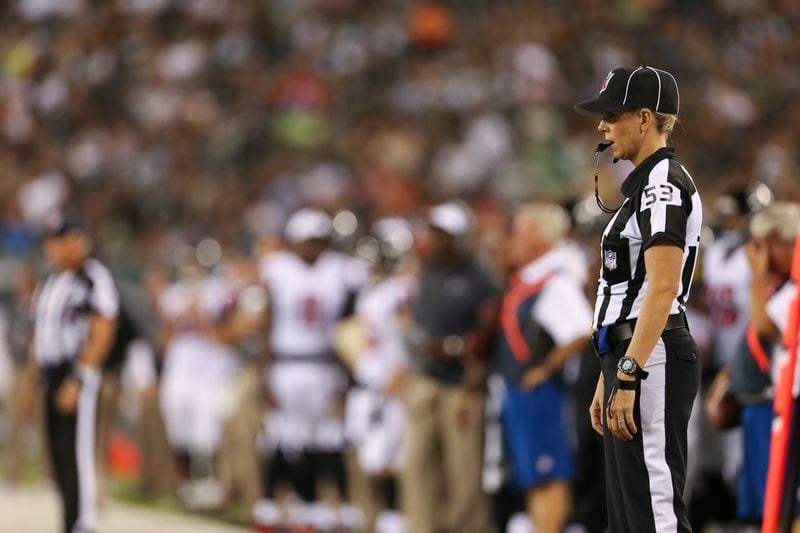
<point x="603" y="146"/>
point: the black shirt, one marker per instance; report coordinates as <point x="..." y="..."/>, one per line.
<point x="448" y="302"/>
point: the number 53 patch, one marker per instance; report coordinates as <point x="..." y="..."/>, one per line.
<point x="662" y="193"/>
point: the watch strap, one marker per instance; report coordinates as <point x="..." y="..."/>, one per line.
<point x="623" y="384"/>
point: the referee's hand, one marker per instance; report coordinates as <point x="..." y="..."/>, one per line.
<point x="67" y="396"/>
<point x="596" y="409"/>
<point x="620" y="411"/>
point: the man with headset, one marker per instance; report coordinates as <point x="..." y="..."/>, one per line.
<point x="454" y="315"/>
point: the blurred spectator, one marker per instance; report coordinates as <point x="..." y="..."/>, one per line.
<point x="769" y="251"/>
<point x="182" y="91"/>
<point x="375" y="417"/>
<point x="726" y="283"/>
<point x="454" y="311"/>
<point x="540" y="329"/>
<point x="17" y="333"/>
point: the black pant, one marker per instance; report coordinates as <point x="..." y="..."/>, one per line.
<point x="303" y="470"/>
<point x="589" y="484"/>
<point x="71" y="443"/>
<point x="645" y="477"/>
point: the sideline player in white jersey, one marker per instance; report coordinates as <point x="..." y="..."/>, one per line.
<point x="309" y="288"/>
<point x="179" y="324"/>
<point x="199" y="365"/>
<point x="726" y="292"/>
<point x="726" y="278"/>
<point x="375" y="415"/>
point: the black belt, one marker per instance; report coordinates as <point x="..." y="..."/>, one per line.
<point x="624" y="330"/>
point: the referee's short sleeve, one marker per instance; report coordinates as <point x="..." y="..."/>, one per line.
<point x="664" y="206"/>
<point x="104" y="298"/>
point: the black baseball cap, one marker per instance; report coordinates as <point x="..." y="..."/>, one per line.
<point x="60" y="224"/>
<point x="734" y="202"/>
<point x="634" y="87"/>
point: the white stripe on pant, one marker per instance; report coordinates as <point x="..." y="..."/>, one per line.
<point x="85" y="453"/>
<point x="653" y="401"/>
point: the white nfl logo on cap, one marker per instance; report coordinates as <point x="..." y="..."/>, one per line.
<point x="610" y="259"/>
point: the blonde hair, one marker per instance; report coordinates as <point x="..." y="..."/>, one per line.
<point x="665" y="123"/>
<point x="780" y="218"/>
<point x="550" y="220"/>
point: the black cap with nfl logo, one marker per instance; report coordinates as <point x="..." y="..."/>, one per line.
<point x="634" y="87"/>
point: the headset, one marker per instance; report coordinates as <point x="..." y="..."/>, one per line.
<point x="602" y="147"/>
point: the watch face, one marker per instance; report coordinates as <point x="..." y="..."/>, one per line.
<point x="627" y="365"/>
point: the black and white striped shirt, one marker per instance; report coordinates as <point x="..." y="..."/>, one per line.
<point x="63" y="304"/>
<point x="661" y="203"/>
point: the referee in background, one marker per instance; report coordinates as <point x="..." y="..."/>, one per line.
<point x="75" y="312"/>
<point x="650" y="373"/>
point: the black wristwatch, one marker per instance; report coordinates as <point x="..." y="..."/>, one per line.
<point x="628" y="366"/>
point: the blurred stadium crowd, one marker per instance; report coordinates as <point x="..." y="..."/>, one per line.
<point x="187" y="133"/>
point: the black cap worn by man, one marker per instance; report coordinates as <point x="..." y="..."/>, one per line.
<point x="61" y="223"/>
<point x="634" y="87"/>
